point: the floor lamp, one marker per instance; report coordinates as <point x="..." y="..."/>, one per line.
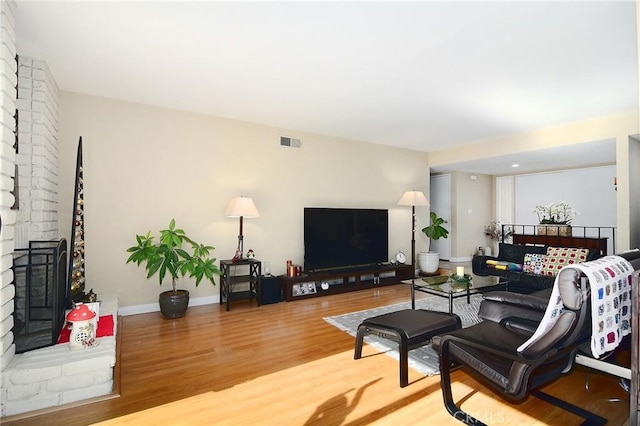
<point x="413" y="199"/>
<point x="241" y="207"/>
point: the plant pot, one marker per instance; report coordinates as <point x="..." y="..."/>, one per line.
<point x="564" y="230"/>
<point x="428" y="262"/>
<point x="553" y="230"/>
<point x="174" y="305"/>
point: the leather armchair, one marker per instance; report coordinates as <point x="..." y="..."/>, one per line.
<point x="489" y="350"/>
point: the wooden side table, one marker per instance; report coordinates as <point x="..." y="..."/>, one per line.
<point x="230" y="280"/>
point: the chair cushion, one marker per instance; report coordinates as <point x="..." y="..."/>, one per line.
<point x="494" y="368"/>
<point x="562" y="327"/>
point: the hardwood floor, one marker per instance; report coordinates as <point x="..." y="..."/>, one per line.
<point x="282" y="364"/>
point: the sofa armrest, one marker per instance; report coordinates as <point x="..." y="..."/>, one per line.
<point x="479" y="265"/>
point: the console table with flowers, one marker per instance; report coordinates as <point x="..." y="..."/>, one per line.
<point x="601" y="239"/>
<point x="554" y="229"/>
<point x="594" y="243"/>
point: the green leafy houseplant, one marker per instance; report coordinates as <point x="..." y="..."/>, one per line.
<point x="435" y="231"/>
<point x="172" y="255"/>
<point x="428" y="261"/>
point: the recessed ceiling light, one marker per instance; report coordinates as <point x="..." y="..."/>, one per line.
<point x="515" y="165"/>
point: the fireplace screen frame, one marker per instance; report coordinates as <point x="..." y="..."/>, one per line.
<point x="41" y="294"/>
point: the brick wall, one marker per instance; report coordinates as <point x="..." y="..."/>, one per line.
<point x="36" y="219"/>
<point x="8" y="83"/>
<point x="37" y="156"/>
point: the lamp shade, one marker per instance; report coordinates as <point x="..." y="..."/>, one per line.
<point x="413" y="198"/>
<point x="241" y="207"/>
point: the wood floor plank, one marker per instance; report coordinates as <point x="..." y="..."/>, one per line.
<point x="282" y="364"/>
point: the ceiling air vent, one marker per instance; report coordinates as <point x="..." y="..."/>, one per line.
<point x="291" y="142"/>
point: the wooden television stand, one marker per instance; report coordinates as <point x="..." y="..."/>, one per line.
<point x="334" y="282"/>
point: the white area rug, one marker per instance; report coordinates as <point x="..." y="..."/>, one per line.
<point x="423" y="359"/>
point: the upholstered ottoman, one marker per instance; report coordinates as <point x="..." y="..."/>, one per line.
<point x="411" y="328"/>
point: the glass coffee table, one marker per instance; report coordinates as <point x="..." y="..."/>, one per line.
<point x="444" y="286"/>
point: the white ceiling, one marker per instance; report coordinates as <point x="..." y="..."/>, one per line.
<point x="420" y="75"/>
<point x="586" y="154"/>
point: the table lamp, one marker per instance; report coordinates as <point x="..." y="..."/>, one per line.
<point x="241" y="207"/>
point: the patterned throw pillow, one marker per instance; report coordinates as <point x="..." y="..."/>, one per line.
<point x="559" y="257"/>
<point x="533" y="263"/>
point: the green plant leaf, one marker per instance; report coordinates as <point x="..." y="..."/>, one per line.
<point x="435" y="231"/>
<point x="168" y="255"/>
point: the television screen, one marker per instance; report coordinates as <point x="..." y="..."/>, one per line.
<point x="340" y="238"/>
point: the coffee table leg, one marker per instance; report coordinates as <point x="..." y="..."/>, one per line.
<point x="450" y="303"/>
<point x="413" y="296"/>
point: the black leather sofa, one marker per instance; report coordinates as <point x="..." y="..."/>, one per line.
<point x="525" y="311"/>
<point x="519" y="282"/>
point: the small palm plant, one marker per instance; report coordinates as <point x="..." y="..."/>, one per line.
<point x="168" y="255"/>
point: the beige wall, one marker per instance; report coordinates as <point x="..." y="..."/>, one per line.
<point x="473" y="212"/>
<point x="144" y="165"/>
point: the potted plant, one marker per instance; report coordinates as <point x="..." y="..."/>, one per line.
<point x="555" y="219"/>
<point x="169" y="255"/>
<point x="429" y="261"/>
<point x="496" y="234"/>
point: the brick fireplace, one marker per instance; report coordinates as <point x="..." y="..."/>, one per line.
<point x="56" y="375"/>
<point x="52" y="375"/>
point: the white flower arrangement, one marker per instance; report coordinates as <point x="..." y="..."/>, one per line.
<point x="555" y="214"/>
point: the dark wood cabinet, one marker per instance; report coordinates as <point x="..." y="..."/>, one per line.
<point x="335" y="282"/>
<point x="599" y="244"/>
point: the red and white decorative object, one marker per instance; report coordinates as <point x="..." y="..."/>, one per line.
<point x="82" y="331"/>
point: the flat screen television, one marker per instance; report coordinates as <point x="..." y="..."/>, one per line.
<point x="337" y="238"/>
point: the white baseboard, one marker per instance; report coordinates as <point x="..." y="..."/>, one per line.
<point x="155" y="307"/>
<point x="461" y="259"/>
